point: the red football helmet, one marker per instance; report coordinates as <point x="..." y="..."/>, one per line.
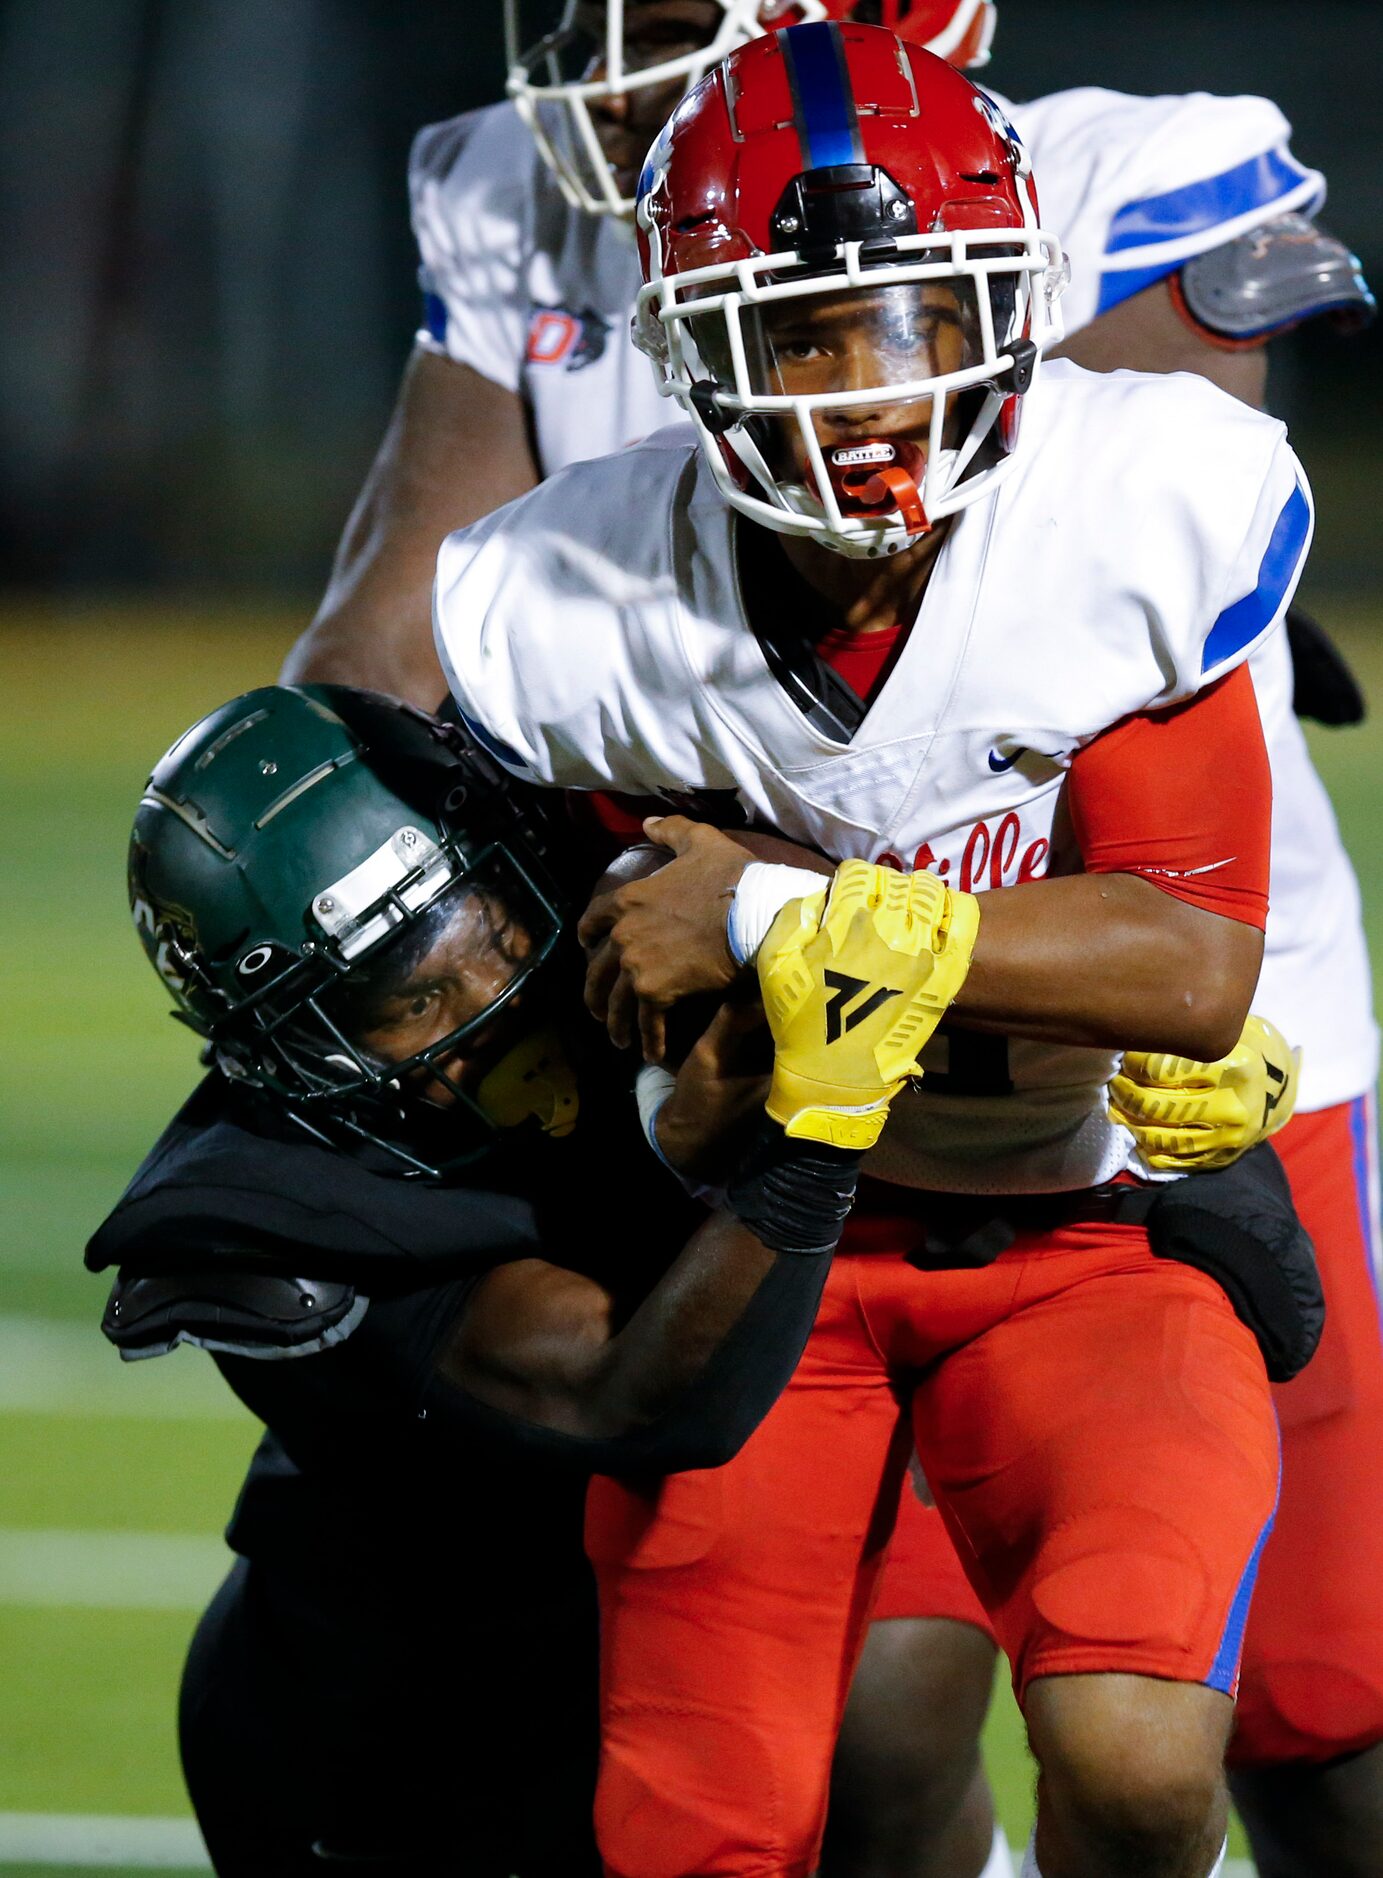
<point x="566" y="55"/>
<point x="847" y="287"/>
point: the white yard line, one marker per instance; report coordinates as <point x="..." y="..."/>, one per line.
<point x="96" y="1839"/>
<point x="51" y="1365"/>
<point x="149" y="1571"/>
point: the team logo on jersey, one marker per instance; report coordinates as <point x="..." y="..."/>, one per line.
<point x="567" y="336"/>
<point x="1001" y="856"/>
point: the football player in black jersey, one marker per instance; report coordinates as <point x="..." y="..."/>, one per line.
<point x="408" y="1210"/>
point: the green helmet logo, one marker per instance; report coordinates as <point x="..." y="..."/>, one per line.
<point x="165" y="932"/>
<point x="295" y="855"/>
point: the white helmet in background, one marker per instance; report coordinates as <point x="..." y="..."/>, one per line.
<point x="633" y="59"/>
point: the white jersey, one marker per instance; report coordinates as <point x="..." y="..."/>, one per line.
<point x="1147" y="541"/>
<point x="1133" y="187"/>
<point x="528" y="291"/>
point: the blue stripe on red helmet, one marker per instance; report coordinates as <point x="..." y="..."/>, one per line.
<point x="822" y="105"/>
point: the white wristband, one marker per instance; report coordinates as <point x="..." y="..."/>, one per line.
<point x="763" y="892"/>
<point x="652" y="1087"/>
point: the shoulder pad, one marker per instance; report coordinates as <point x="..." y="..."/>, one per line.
<point x="1271" y="279"/>
<point x="239" y="1313"/>
<point x="1135" y="186"/>
<point x="217" y="1195"/>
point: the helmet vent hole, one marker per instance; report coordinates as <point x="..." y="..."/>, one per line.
<point x="456" y="798"/>
<point x="688" y="222"/>
<point x="255" y="961"/>
<point x="991" y="177"/>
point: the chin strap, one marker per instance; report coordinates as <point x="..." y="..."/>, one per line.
<point x="874" y="476"/>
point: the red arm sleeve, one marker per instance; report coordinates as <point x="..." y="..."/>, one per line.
<point x="1183" y="798"/>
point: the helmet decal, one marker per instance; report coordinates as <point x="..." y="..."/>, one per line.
<point x="166" y="932"/>
<point x="989" y="110"/>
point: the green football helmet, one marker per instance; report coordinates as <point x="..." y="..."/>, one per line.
<point x="298" y="857"/>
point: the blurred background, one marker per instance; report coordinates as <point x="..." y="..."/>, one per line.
<point x="209" y="281"/>
<point x="207" y="291"/>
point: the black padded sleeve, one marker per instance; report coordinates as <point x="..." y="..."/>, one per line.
<point x="713" y="1417"/>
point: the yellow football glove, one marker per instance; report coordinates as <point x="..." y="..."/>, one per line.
<point x="854" y="982"/>
<point x="1187" y="1115"/>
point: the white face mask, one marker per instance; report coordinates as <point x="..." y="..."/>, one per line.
<point x="566" y="56"/>
<point x="858" y="404"/>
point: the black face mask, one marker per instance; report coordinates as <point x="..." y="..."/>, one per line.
<point x="427" y="1114"/>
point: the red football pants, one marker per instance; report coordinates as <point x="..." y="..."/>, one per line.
<point x="1097" y="1429"/>
<point x="1311" y="1686"/>
<point x="1312" y="1683"/>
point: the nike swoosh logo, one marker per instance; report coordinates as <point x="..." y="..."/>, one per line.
<point x="1000" y="763"/>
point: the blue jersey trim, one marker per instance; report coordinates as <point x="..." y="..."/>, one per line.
<point x="434" y="307"/>
<point x="1360" y="1124"/>
<point x="822" y="105"/>
<point x="1196" y="207"/>
<point x="1193" y="209"/>
<point x="1242" y="622"/>
<point x="1122" y="283"/>
<point x="1224" y="1671"/>
<point x="435" y="317"/>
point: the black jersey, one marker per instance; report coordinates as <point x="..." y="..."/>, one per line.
<point x="352" y="1468"/>
<point x="404" y="1659"/>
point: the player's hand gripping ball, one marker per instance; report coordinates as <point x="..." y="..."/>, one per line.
<point x="1187" y="1115"/>
<point x="854" y="982"/>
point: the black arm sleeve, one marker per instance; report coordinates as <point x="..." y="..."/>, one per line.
<point x="712" y="1418"/>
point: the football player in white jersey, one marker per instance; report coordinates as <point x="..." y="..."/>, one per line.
<point x="1186" y="223"/>
<point x="848" y="294"/>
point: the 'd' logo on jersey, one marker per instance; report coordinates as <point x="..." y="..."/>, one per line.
<point x="844" y="991"/>
<point x="567" y="336"/>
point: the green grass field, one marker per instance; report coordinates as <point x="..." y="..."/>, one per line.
<point x="115" y="1482"/>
